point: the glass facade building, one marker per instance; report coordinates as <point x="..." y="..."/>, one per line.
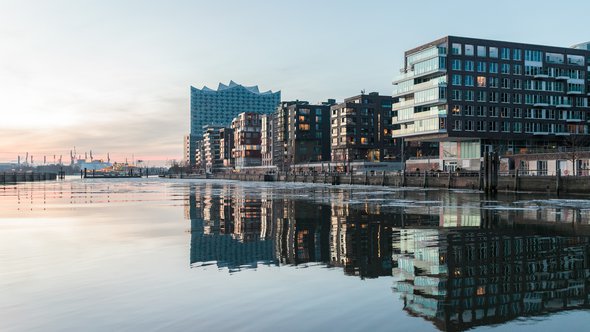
<point x="499" y="96"/>
<point x="219" y="107"/>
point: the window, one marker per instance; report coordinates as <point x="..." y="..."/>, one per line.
<point x="456" y="64"/>
<point x="468" y="80"/>
<point x="505" y="68"/>
<point x="493" y="126"/>
<point x="493" y="67"/>
<point x="469" y="125"/>
<point x="469" y="95"/>
<point x="493" y="52"/>
<point x="494" y="112"/>
<point x="481" y="67"/>
<point x="457" y="125"/>
<point x="304" y="126"/>
<point x="468" y="110"/>
<point x="456" y="79"/>
<point x="481" y="81"/>
<point x="456" y="94"/>
<point x="481" y="110"/>
<point x="469" y="50"/>
<point x="505" y="53"/>
<point x="517" y="69"/>
<point x="517" y="98"/>
<point x="468" y="65"/>
<point x="493" y="82"/>
<point x="533" y="55"/>
<point x="505" y="112"/>
<point x="517" y="84"/>
<point x="480" y="125"/>
<point x="481" y="96"/>
<point x="493" y="97"/>
<point x="505" y="83"/>
<point x="481" y="51"/>
<point x="517" y="54"/>
<point x="504" y="97"/>
<point x="506" y="126"/>
<point x="456" y="49"/>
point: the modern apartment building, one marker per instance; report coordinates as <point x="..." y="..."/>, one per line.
<point x="266" y="133"/>
<point x="199" y="154"/>
<point x="219" y="107"/>
<point x="476" y="95"/>
<point x="361" y="129"/>
<point x="186" y="150"/>
<point x="226" y="145"/>
<point x="303" y="132"/>
<point x="247" y="128"/>
<point x="212" y="148"/>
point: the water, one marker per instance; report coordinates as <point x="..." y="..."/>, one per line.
<point x="162" y="255"/>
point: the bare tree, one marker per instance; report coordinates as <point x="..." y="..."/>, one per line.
<point x="575" y="144"/>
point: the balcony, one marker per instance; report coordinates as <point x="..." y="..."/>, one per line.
<point x="403" y="104"/>
<point x="563" y="105"/>
<point x="540" y="104"/>
<point x="574" y="92"/>
<point x="562" y="77"/>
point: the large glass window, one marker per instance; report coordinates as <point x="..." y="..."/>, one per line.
<point x="505" y="68"/>
<point x="517" y="54"/>
<point x="481" y="67"/>
<point x="469" y="50"/>
<point x="493" y="52"/>
<point x="505" y="53"/>
<point x="468" y="80"/>
<point x="481" y="51"/>
<point x="533" y="55"/>
<point x="481" y="81"/>
<point x="469" y="65"/>
<point x="456" y="49"/>
<point x="456" y="64"/>
<point x="493" y="67"/>
<point x="456" y="79"/>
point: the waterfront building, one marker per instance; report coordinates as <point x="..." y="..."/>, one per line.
<point x="199" y="155"/>
<point x="226" y="145"/>
<point x="361" y="130"/>
<point x="188" y="158"/>
<point x="266" y="134"/>
<point x="247" y="140"/>
<point x="475" y="96"/>
<point x="212" y="148"/>
<point x="219" y="107"/>
<point x="303" y="132"/>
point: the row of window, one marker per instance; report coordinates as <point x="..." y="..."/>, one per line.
<point x="517" y="98"/>
<point x="517" y="127"/>
<point x="517" y="113"/>
<point x="515" y="84"/>
<point x="484" y="51"/>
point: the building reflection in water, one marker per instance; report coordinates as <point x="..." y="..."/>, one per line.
<point x="456" y="263"/>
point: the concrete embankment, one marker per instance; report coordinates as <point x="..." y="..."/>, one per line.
<point x="544" y="184"/>
<point x="16" y="177"/>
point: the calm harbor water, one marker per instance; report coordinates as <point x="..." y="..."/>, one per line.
<point x="166" y="255"/>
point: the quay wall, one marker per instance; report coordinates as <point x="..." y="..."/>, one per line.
<point x="539" y="184"/>
<point x="16" y="177"/>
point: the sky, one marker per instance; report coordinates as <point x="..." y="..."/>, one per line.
<point x="114" y="76"/>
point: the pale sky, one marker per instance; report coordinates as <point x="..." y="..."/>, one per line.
<point x="114" y="76"/>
